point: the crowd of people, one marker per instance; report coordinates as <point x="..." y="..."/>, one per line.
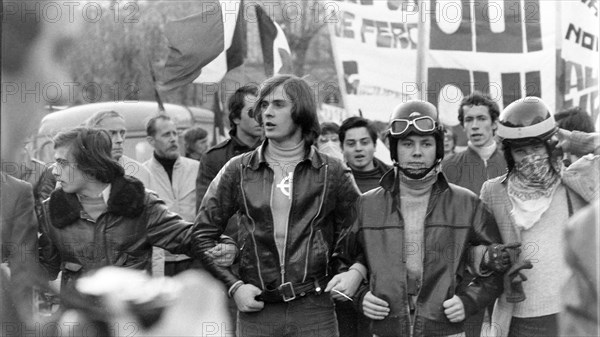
<point x="292" y="227"/>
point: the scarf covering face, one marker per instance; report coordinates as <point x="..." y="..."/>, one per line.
<point x="531" y="186"/>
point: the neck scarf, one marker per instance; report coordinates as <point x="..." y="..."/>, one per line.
<point x="531" y="186"/>
<point x="418" y="184"/>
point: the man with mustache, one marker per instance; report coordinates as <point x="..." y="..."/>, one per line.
<point x="173" y="177"/>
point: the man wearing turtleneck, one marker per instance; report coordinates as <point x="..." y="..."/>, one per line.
<point x="358" y="137"/>
<point x="294" y="206"/>
<point x="483" y="159"/>
<point x="414" y="232"/>
<point x="172" y="177"/>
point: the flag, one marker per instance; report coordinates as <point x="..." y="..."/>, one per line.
<point x="204" y="46"/>
<point x="276" y="51"/>
<point x="219" y="126"/>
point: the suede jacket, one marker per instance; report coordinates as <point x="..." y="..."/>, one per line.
<point x="455" y="221"/>
<point x="323" y="208"/>
<point x="135" y="220"/>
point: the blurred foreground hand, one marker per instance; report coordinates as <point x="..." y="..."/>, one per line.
<point x="198" y="308"/>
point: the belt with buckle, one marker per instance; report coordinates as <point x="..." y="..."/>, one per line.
<point x="288" y="292"/>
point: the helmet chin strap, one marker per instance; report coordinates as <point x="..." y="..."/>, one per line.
<point x="413" y="175"/>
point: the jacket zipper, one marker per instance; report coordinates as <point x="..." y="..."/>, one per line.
<point x="262" y="283"/>
<point x="427" y="214"/>
<point x="312" y="231"/>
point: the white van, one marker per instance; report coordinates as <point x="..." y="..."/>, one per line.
<point x="136" y="116"/>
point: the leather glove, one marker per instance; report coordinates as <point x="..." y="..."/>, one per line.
<point x="498" y="257"/>
<point x="513" y="282"/>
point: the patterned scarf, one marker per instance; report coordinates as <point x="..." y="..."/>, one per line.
<point x="531" y="186"/>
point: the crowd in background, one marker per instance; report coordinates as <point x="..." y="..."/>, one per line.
<point x="292" y="227"/>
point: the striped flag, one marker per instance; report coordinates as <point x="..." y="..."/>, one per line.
<point x="205" y="46"/>
<point x="276" y="51"/>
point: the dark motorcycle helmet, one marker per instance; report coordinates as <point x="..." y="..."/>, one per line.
<point x="526" y="121"/>
<point x="423" y="121"/>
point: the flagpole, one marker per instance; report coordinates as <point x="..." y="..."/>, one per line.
<point x="161" y="107"/>
<point x="422" y="44"/>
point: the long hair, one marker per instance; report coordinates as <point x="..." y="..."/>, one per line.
<point x="190" y="136"/>
<point x="91" y="150"/>
<point x="304" y="108"/>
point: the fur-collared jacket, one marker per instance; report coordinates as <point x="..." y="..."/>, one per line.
<point x="135" y="220"/>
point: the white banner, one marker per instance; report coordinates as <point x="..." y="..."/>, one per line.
<point x="579" y="60"/>
<point x="375" y="48"/>
<point x="504" y="48"/>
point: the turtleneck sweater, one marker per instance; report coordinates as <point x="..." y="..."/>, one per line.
<point x="414" y="198"/>
<point x="368" y="180"/>
<point x="282" y="161"/>
<point x="168" y="164"/>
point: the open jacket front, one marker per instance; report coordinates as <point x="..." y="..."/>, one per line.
<point x="455" y="222"/>
<point x="323" y="209"/>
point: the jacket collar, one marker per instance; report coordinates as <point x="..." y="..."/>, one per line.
<point x="126" y="199"/>
<point x="257" y="157"/>
<point x="389" y="181"/>
<point x="237" y="143"/>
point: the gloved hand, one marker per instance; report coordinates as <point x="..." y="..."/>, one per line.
<point x="498" y="257"/>
<point x="513" y="282"/>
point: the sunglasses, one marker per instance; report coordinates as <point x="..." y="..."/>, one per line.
<point x="423" y="124"/>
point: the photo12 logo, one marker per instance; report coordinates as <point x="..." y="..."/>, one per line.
<point x="89" y="11"/>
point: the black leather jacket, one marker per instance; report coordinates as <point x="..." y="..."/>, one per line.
<point x="455" y="221"/>
<point x="323" y="209"/>
<point x="215" y="158"/>
<point x="136" y="220"/>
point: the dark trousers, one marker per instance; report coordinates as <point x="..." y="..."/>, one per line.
<point x="542" y="326"/>
<point x="351" y="323"/>
<point x="473" y="324"/>
<point x="312" y="315"/>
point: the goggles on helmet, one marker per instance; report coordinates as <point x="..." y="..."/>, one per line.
<point x="423" y="124"/>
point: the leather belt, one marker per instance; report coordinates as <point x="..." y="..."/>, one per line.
<point x="288" y="292"/>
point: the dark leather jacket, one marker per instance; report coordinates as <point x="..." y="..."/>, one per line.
<point x="455" y="221"/>
<point x="322" y="211"/>
<point x="122" y="236"/>
<point x="215" y="158"/>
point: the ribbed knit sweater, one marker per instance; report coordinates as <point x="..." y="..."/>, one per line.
<point x="414" y="197"/>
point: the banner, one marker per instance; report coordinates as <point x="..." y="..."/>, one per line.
<point x="506" y="49"/>
<point x="578" y="60"/>
<point x="375" y="50"/>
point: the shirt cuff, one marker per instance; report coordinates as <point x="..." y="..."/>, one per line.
<point x="234" y="287"/>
